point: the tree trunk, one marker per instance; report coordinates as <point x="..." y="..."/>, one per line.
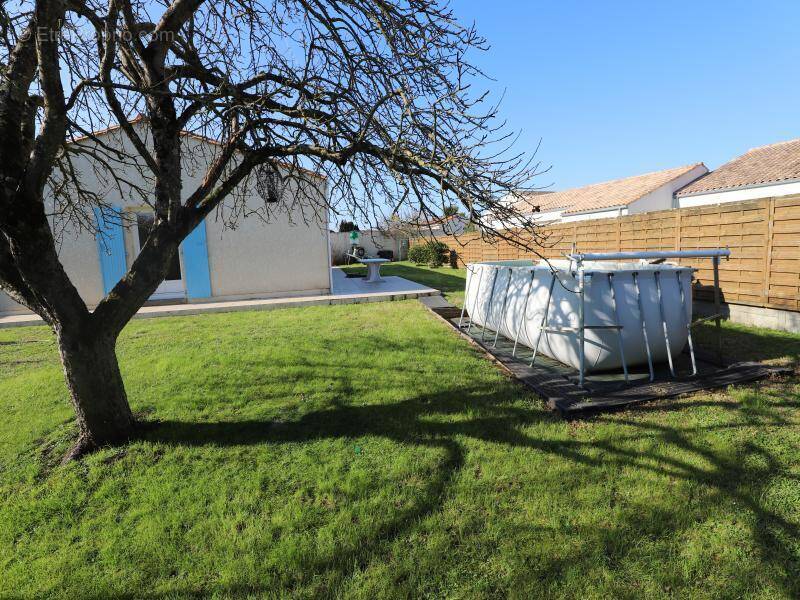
<point x="96" y="389"/>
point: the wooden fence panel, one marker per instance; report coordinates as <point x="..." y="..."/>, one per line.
<point x="782" y="287"/>
<point x="763" y="236"/>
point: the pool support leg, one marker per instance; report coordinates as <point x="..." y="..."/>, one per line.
<point x="466" y="295"/>
<point x="503" y="310"/>
<point x="545" y="319"/>
<point x="657" y="276"/>
<point x="475" y="303"/>
<point x="688" y="323"/>
<point x="524" y="310"/>
<point x="489" y="304"/>
<point x="581" y="322"/>
<point x="635" y="275"/>
<point x="717" y="308"/>
<point x="618" y="326"/>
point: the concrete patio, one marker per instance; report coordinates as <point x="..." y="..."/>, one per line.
<point x="346" y="290"/>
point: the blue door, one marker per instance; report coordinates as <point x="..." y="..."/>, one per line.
<point x="195" y="262"/>
<point x="110" y="246"/>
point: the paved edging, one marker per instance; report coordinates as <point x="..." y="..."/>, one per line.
<point x="150" y="312"/>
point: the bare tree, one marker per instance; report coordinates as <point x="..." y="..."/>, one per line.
<point x="374" y="94"/>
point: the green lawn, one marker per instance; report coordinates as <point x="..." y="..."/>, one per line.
<point x="367" y="451"/>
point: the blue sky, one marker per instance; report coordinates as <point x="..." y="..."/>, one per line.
<point x="621" y="88"/>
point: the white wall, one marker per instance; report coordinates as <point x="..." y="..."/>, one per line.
<point x="283" y="256"/>
<point x="550" y="216"/>
<point x="77" y="251"/>
<point x="663" y="197"/>
<point x="748" y="193"/>
<point x="258" y="250"/>
<point x="542" y="218"/>
<point x="8" y="306"/>
<point x="371" y="240"/>
<point x="598" y="214"/>
<point x="252" y="251"/>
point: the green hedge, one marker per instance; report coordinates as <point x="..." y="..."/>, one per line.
<point x="432" y="253"/>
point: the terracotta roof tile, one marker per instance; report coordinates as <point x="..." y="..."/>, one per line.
<point x="608" y="194"/>
<point x="767" y="164"/>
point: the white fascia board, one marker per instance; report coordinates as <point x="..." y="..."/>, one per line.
<point x="754" y="192"/>
<point x="604" y="213"/>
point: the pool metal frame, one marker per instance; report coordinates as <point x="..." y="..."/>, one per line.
<point x="579" y="271"/>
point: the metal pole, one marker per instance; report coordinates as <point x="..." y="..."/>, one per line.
<point x="503" y="310"/>
<point x="475" y="303"/>
<point x="717" y="307"/>
<point x="466" y="294"/>
<point x="581" y="321"/>
<point x="572" y="253"/>
<point x="545" y="318"/>
<point x="688" y="323"/>
<point x="489" y="304"/>
<point x="619" y="327"/>
<point x="718" y="252"/>
<point x="657" y="276"/>
<point x="644" y="325"/>
<point x="524" y="308"/>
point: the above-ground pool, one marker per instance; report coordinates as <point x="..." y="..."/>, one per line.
<point x="512" y="298"/>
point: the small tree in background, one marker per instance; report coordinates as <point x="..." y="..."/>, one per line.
<point x="377" y="96"/>
<point x="451" y="210"/>
<point x="346" y="226"/>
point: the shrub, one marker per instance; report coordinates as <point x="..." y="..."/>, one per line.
<point x="453" y="259"/>
<point x="437" y="253"/>
<point x="431" y="253"/>
<point x="418" y="254"/>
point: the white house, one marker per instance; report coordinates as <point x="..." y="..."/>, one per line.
<point x="280" y="249"/>
<point x="430" y="225"/>
<point x="768" y="171"/>
<point x="619" y="197"/>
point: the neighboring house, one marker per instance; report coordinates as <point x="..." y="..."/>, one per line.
<point x="535" y="206"/>
<point x="619" y="197"/>
<point x="287" y="255"/>
<point x="425" y="225"/>
<point x="452" y="225"/>
<point x="763" y="172"/>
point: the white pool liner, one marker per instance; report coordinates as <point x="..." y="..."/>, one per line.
<point x="512" y="298"/>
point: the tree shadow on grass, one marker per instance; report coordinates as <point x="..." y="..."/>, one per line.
<point x="414" y="422"/>
<point x="403" y="422"/>
<point x="742" y="344"/>
<point x="346" y="559"/>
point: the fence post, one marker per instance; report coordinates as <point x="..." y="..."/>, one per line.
<point x="768" y="250"/>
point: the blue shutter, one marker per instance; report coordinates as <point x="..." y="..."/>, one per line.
<point x="195" y="263"/>
<point x="110" y="246"/>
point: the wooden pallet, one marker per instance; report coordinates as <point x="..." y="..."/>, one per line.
<point x="557" y="383"/>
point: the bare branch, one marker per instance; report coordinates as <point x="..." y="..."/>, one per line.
<point x="49" y="18"/>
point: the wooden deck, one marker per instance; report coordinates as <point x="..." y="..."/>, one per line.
<point x="557" y="383"/>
